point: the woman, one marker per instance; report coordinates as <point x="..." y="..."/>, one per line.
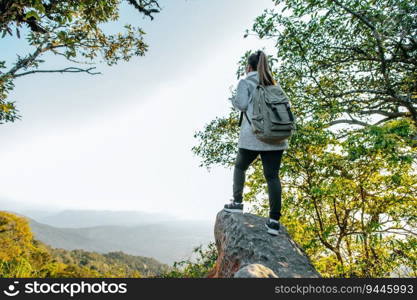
<point x="249" y="146"/>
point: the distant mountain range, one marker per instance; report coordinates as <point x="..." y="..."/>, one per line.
<point x="165" y="239"/>
<point x="91" y="218"/>
<point x="23" y="256"/>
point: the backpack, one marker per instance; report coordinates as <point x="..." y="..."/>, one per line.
<point x="272" y="121"/>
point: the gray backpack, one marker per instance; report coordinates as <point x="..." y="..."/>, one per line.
<point x="272" y="121"/>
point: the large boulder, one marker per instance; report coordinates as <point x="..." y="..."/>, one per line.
<point x="246" y="250"/>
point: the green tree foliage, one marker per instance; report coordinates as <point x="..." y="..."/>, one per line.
<point x="197" y="267"/>
<point x="112" y="264"/>
<point x="71" y="29"/>
<point x="350" y="193"/>
<point x="21" y="256"/>
<point x="347" y="62"/>
<point x="352" y="203"/>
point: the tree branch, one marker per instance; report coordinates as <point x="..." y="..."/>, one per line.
<point x="22" y="63"/>
<point x="359" y="16"/>
<point x="309" y="68"/>
<point x="66" y="70"/>
<point x="347" y="121"/>
<point x="146" y="7"/>
<point x="358" y="91"/>
<point x="384" y="113"/>
<point x="378" y="39"/>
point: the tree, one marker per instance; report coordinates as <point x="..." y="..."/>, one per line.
<point x="351" y="204"/>
<point x="199" y="266"/>
<point x="349" y="62"/>
<point x="349" y="194"/>
<point x="70" y="29"/>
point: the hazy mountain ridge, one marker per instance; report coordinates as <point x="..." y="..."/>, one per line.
<point x="23" y="256"/>
<point x="91" y="218"/>
<point x="166" y="241"/>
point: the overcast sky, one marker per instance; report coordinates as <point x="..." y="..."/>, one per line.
<point x="122" y="140"/>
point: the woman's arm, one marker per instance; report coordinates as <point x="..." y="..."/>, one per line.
<point x="241" y="99"/>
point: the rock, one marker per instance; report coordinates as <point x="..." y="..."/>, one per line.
<point x="246" y="250"/>
<point x="255" y="271"/>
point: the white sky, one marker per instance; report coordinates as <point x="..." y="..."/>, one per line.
<point x="85" y="142"/>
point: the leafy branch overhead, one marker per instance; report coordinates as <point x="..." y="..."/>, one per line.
<point x="70" y="29"/>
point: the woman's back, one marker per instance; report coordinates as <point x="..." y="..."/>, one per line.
<point x="242" y="101"/>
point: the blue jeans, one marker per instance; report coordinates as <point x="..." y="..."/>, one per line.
<point x="271" y="163"/>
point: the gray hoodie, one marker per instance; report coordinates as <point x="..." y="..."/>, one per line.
<point x="243" y="102"/>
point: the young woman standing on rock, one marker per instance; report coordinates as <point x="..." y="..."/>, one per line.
<point x="249" y="146"/>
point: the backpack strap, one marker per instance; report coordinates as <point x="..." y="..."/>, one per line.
<point x="241" y="118"/>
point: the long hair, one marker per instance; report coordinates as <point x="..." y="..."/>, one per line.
<point x="259" y="62"/>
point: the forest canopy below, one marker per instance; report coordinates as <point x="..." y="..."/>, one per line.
<point x="22" y="256"/>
